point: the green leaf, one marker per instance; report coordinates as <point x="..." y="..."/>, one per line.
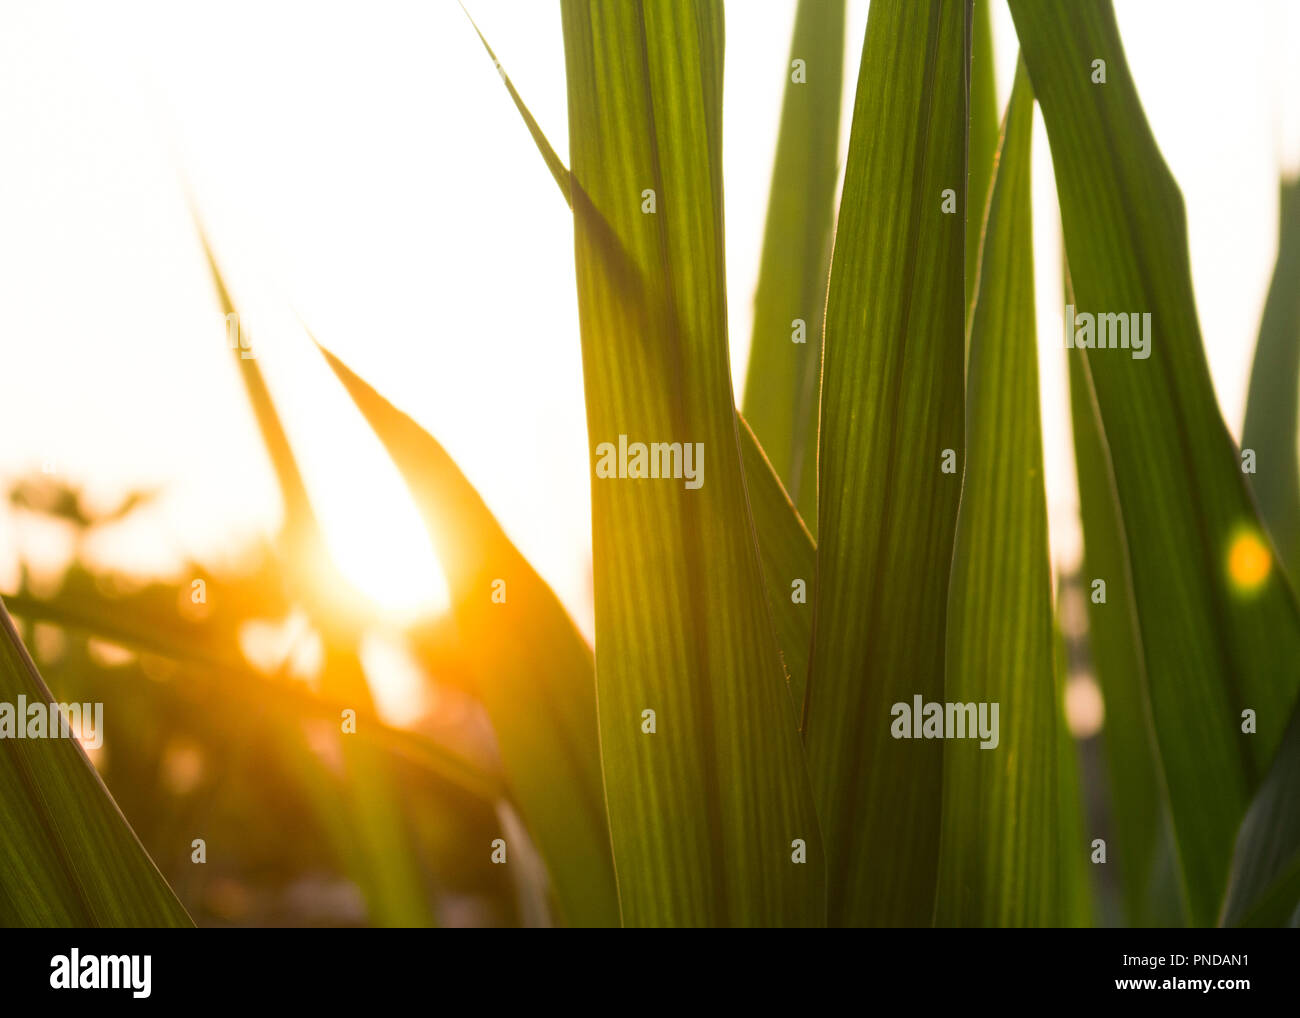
<point x="891" y="405"/>
<point x="786" y="545"/>
<point x="784" y="538"/>
<point x="1132" y="765"/>
<point x="1219" y="635"/>
<point x="983" y="139"/>
<point x="706" y="812"/>
<point x="789" y="556"/>
<point x="999" y="859"/>
<point x="1273" y="401"/>
<point x="784" y="377"/>
<point x="534" y="672"/>
<point x="1264" y="887"/>
<point x="68" y="855"/>
<point x="553" y="162"/>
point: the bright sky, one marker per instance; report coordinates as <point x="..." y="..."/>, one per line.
<point x="362" y="167"/>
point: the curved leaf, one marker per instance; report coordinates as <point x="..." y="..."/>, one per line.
<point x="534" y="672"/>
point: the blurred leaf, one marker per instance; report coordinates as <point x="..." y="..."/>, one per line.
<point x="1273" y="403"/>
<point x="68" y="856"/>
<point x="301" y="530"/>
<point x="891" y="406"/>
<point x="218" y="667"/>
<point x="784" y="377"/>
<point x="983" y="139"/>
<point x="705" y="813"/>
<point x="535" y="673"/>
<point x="1072" y="850"/>
<point x="55" y="499"/>
<point x="389" y="871"/>
<point x="380" y="844"/>
<point x="999" y="861"/>
<point x="1132" y="764"/>
<point x="1218" y="628"/>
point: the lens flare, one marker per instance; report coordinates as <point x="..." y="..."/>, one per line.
<point x="1249" y="561"/>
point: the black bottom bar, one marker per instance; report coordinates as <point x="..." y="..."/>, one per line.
<point x="443" y="968"/>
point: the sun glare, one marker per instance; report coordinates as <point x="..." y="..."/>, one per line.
<point x="380" y="545"/>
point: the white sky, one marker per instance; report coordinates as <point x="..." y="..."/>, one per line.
<point x="361" y="166"/>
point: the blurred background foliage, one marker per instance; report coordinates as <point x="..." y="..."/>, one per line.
<point x="201" y="742"/>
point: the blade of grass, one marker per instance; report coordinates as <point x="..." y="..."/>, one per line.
<point x="1273" y="402"/>
<point x="1218" y="626"/>
<point x="535" y="673"/>
<point x="553" y="162"/>
<point x="711" y="816"/>
<point x="999" y="861"/>
<point x="1137" y="800"/>
<point x="891" y="406"/>
<point x="68" y="855"/>
<point x="784" y="538"/>
<point x="784" y="377"/>
<point x="789" y="557"/>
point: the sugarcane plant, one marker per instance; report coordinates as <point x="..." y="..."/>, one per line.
<point x="827" y="682"/>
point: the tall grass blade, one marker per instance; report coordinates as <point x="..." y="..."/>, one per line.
<point x="999" y="861"/>
<point x="891" y="406"/>
<point x="711" y="815"/>
<point x="1137" y="801"/>
<point x="784" y="538"/>
<point x="784" y="376"/>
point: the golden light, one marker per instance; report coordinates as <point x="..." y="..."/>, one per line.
<point x="1249" y="561"/>
<point x="379" y="543"/>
